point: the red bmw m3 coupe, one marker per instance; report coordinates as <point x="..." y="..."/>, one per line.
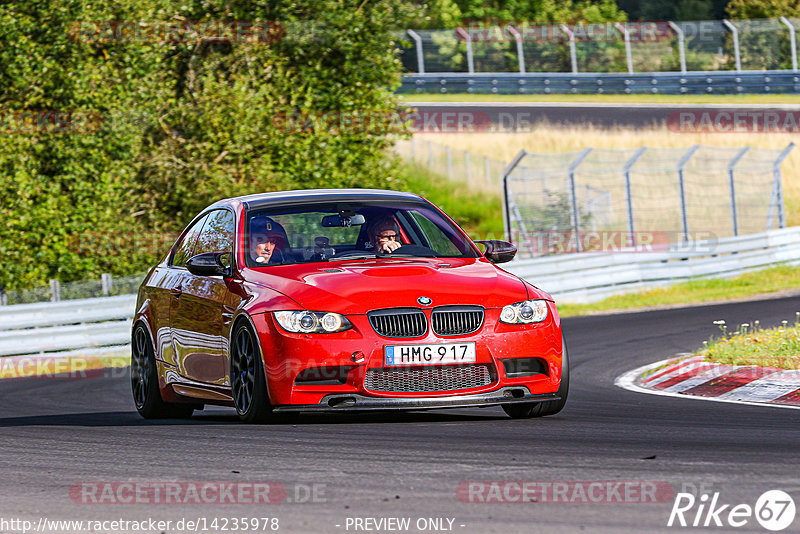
<point x="338" y="301"/>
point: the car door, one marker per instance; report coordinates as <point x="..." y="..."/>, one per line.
<point x="170" y="287"/>
<point x="199" y="313"/>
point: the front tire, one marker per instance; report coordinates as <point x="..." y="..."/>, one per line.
<point x="144" y="382"/>
<point x="248" y="382"/>
<point x="541" y="409"/>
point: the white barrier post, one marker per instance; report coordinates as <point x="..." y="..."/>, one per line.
<point x="681" y="45"/>
<point x="576" y="222"/>
<point x="682" y="189"/>
<point x="735" y="33"/>
<point x="732" y="186"/>
<point x="55" y="291"/>
<point x="105" y="282"/>
<point x="418" y="45"/>
<point x="573" y="55"/>
<point x="628" y="191"/>
<point x="470" y="62"/>
<point x="520" y="53"/>
<point x="504" y="181"/>
<point x="627" y="37"/>
<point x="792" y="41"/>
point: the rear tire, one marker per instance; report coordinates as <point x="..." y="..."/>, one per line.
<point x="144" y="382"/>
<point x="248" y="382"/>
<point x="541" y="409"/>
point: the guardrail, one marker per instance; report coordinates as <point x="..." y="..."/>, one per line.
<point x="582" y="277"/>
<point x="698" y="82"/>
<point x="589" y="276"/>
<point x="65" y="325"/>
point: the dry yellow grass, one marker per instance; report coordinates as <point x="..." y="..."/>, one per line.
<point x="548" y="138"/>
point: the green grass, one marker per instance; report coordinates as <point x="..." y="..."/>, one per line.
<point x="625" y="99"/>
<point x="749" y="344"/>
<point x="696" y="291"/>
<point x="477" y="212"/>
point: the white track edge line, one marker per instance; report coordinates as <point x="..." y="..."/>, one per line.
<point x="628" y="381"/>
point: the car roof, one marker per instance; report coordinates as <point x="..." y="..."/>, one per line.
<point x="277" y="198"/>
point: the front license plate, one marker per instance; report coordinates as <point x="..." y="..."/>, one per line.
<point x="437" y="354"/>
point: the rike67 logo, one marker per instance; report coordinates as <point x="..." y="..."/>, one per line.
<point x="774" y="510"/>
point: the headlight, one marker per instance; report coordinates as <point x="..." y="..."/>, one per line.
<point x="308" y="322"/>
<point x="525" y="312"/>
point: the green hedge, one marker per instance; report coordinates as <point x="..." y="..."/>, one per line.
<point x="175" y="125"/>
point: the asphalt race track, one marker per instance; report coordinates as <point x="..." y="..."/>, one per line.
<point x="59" y="432"/>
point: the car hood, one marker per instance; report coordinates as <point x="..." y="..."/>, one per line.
<point x="356" y="287"/>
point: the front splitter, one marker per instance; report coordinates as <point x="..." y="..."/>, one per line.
<point x="351" y="403"/>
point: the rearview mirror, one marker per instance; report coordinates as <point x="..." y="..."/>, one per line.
<point x="498" y="251"/>
<point x="334" y="221"/>
<point x="208" y="264"/>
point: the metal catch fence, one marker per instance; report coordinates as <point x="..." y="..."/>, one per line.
<point x="604" y="199"/>
<point x="476" y="171"/>
<point x="56" y="291"/>
<point x="666" y="46"/>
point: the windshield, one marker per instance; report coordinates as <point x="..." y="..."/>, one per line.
<point x="353" y="230"/>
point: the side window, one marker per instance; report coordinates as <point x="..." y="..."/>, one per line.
<point x="184" y="249"/>
<point x="438" y="239"/>
<point x="217" y="234"/>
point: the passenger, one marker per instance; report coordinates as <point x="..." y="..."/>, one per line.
<point x="384" y="236"/>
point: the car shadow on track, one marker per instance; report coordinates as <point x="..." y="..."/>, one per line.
<point x="127" y="419"/>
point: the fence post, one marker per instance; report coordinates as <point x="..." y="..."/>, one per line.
<point x="682" y="189"/>
<point x="792" y="41"/>
<point x="520" y="53"/>
<point x="3" y="297"/>
<point x="628" y="193"/>
<point x="732" y="185"/>
<point x="573" y="55"/>
<point x="413" y="149"/>
<point x="449" y="152"/>
<point x="486" y="170"/>
<point x="105" y="282"/>
<point x="576" y="223"/>
<point x="735" y="33"/>
<point x="504" y="181"/>
<point x="55" y="290"/>
<point x="681" y="45"/>
<point x="418" y="45"/>
<point x="466" y="165"/>
<point x="776" y="171"/>
<point x="627" y="37"/>
<point x="430" y="154"/>
<point x="470" y="62"/>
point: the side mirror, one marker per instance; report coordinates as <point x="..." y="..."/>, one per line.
<point x="498" y="251"/>
<point x="208" y="264"/>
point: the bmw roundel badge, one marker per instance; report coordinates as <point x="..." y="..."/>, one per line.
<point x="424" y="300"/>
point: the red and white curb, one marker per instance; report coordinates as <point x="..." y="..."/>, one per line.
<point x="693" y="377"/>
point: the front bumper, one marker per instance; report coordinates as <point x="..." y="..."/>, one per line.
<point x="361" y="350"/>
<point x="346" y="402"/>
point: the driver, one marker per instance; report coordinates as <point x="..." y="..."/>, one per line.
<point x="267" y="241"/>
<point x="384" y="236"/>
